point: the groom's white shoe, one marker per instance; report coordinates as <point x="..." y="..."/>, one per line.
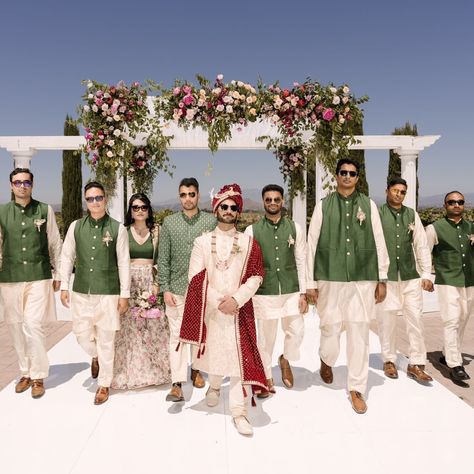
<point x="243" y="425"/>
<point x="212" y="396"/>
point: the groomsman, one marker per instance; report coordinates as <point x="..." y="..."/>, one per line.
<point x="282" y="295"/>
<point x="347" y="267"/>
<point x="98" y="245"/>
<point x="174" y="251"/>
<point x="30" y="246"/>
<point x="408" y="250"/>
<point x="452" y="242"/>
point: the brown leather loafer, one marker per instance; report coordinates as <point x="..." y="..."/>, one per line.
<point x="390" y="370"/>
<point x="23" y="384"/>
<point x="326" y="372"/>
<point x="101" y="396"/>
<point x="286" y="373"/>
<point x="263" y="393"/>
<point x="358" y="402"/>
<point x="197" y="379"/>
<point x="176" y="393"/>
<point x="415" y="372"/>
<point x="95" y="367"/>
<point x="37" y="388"/>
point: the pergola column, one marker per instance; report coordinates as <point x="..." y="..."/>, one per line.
<point x="408" y="161"/>
<point x="22" y="158"/>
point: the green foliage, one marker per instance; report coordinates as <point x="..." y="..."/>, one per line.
<point x="71" y="206"/>
<point x="431" y="214"/>
<point x="359" y="156"/>
<point x="160" y="215"/>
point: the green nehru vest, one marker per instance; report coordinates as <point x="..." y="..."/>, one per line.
<point x="453" y="256"/>
<point x="277" y="242"/>
<point x="346" y="247"/>
<point x="96" y="256"/>
<point x="25" y="242"/>
<point x="398" y="228"/>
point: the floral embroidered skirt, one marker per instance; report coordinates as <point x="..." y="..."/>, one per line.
<point x="141" y="345"/>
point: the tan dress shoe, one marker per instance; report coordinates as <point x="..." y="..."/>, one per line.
<point x="176" y="393"/>
<point x="37" y="388"/>
<point x="101" y="396"/>
<point x="23" y="384"/>
<point x="197" y="379"/>
<point x="95" y="367"/>
<point x="264" y="393"/>
<point x="243" y="425"/>
<point x="286" y="373"/>
<point x="326" y="372"/>
<point x="415" y="372"/>
<point x="358" y="402"/>
<point x="390" y="370"/>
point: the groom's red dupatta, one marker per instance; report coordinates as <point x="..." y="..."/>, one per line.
<point x="193" y="327"/>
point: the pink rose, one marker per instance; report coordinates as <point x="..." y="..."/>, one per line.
<point x="328" y="114"/>
<point x="188" y="99"/>
<point x="187" y="89"/>
<point x="176" y="90"/>
<point x="152" y="299"/>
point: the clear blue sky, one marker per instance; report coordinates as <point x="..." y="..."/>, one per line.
<point x="413" y="58"/>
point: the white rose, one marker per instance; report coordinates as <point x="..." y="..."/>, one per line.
<point x="110" y="154"/>
<point x="341" y="119"/>
<point x="105" y="107"/>
<point x="117" y="132"/>
<point x="109" y="119"/>
<point x="333" y="90"/>
<point x="294" y="101"/>
<point x="86" y="108"/>
<point x="190" y="114"/>
<point x="89" y="85"/>
<point x="111" y="143"/>
<point x="117" y="118"/>
<point x="202" y="92"/>
<point x="116" y="102"/>
<point x="252" y="90"/>
<point x="346" y="90"/>
<point x="220" y="107"/>
<point x="275" y="118"/>
<point x="201" y="102"/>
<point x="240" y="83"/>
<point x="95" y="108"/>
<point x="345" y="100"/>
<point x="220" y="77"/>
<point x="216" y="91"/>
<point x="106" y="95"/>
<point x="227" y="99"/>
<point x="236" y="94"/>
<point x="336" y="100"/>
<point x="229" y="109"/>
<point x="249" y="100"/>
<point x="90" y="96"/>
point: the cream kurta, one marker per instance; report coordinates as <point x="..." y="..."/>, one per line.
<point x="221" y="355"/>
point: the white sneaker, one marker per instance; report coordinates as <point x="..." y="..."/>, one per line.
<point x="243" y="425"/>
<point x="212" y="397"/>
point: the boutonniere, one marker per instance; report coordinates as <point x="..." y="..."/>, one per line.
<point x="471" y="238"/>
<point x="38" y="223"/>
<point x="107" y="238"/>
<point x="411" y="227"/>
<point x="360" y="215"/>
<point x="236" y="249"/>
<point x="291" y="241"/>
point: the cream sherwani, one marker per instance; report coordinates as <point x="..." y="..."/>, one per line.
<point x="456" y="307"/>
<point x="346" y="305"/>
<point x="96" y="317"/>
<point x="221" y="356"/>
<point x="269" y="309"/>
<point x="407" y="297"/>
<point x="28" y="305"/>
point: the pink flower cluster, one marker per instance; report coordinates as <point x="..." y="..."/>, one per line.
<point x="139" y="159"/>
<point x="291" y="160"/>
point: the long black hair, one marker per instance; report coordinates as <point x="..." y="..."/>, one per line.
<point x="150" y="220"/>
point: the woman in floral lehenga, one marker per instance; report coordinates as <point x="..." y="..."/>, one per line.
<point x="142" y="344"/>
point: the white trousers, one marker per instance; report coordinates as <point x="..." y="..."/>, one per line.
<point x="237" y="404"/>
<point x="456" y="307"/>
<point x="26" y="304"/>
<point x="293" y="328"/>
<point x="178" y="358"/>
<point x="407" y="297"/>
<point x="95" y="324"/>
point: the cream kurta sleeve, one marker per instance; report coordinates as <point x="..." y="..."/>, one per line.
<point x="68" y="256"/>
<point x="314" y="232"/>
<point x="431" y="237"/>
<point x="422" y="251"/>
<point x="382" y="253"/>
<point x="123" y="261"/>
<point x="54" y="242"/>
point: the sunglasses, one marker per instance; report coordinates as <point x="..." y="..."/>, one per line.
<point x="276" y="200"/>
<point x="26" y="183"/>
<point x="399" y="191"/>
<point x="453" y="202"/>
<point x="352" y="174"/>
<point x="140" y="208"/>
<point x="91" y="199"/>
<point x="192" y="194"/>
<point x="232" y="207"/>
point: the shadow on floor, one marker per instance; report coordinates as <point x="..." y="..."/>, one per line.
<point x="435" y="358"/>
<point x="61" y="373"/>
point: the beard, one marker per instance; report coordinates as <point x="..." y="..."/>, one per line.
<point x="226" y="219"/>
<point x="272" y="212"/>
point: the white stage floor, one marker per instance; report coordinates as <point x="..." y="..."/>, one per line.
<point x="408" y="428"/>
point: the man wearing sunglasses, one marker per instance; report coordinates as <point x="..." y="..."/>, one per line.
<point x="408" y="251"/>
<point x="98" y="247"/>
<point x="451" y="240"/>
<point x="225" y="271"/>
<point x="347" y="264"/>
<point x="30" y="247"/>
<point x="282" y="295"/>
<point x="177" y="235"/>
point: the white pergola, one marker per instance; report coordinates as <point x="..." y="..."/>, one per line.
<point x="23" y="148"/>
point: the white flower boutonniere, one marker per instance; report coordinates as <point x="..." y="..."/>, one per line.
<point x="360" y="215"/>
<point x="107" y="238"/>
<point x="471" y="238"/>
<point x="291" y="241"/>
<point x="38" y="223"/>
<point x="411" y="227"/>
